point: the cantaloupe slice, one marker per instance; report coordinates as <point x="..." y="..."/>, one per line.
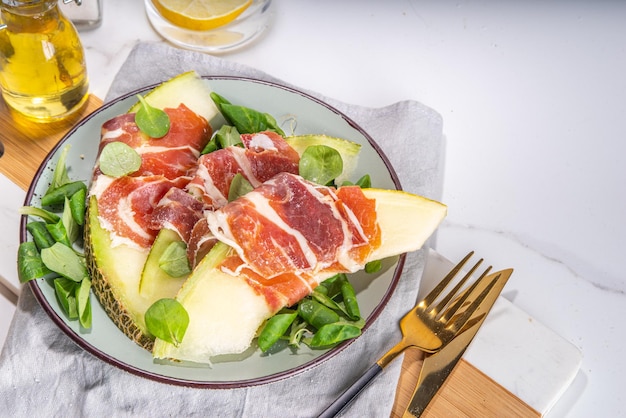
<point x="188" y="88"/>
<point x="116" y="269"/>
<point x="225" y="313"/>
<point x="115" y="273"/>
<point x="155" y="283"/>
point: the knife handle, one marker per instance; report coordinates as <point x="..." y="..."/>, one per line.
<point x="352" y="392"/>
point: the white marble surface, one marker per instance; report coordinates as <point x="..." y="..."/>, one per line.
<point x="533" y="98"/>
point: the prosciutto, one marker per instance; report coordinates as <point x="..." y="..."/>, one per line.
<point x="288" y="230"/>
<point x="178" y="211"/>
<point x="172" y="156"/>
<point x="264" y="155"/>
<point x="127" y="204"/>
<point x="134" y="207"/>
<point x="200" y="242"/>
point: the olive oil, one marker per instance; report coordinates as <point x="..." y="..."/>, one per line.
<point x="43" y="75"/>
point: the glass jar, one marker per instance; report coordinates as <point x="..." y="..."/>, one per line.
<point x="247" y="27"/>
<point x="84" y="14"/>
<point x="43" y="75"/>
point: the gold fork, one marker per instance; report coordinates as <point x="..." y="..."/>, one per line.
<point x="431" y="324"/>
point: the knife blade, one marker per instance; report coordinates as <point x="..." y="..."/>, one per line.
<point x="437" y="367"/>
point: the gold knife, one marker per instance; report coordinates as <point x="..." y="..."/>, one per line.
<point x="437" y="367"/>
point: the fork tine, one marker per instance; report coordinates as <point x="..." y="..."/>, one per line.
<point x="461" y="319"/>
<point x="448" y="297"/>
<point x="460" y="300"/>
<point x="430" y="298"/>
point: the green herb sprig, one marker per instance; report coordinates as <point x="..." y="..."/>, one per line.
<point x="320" y="164"/>
<point x="118" y="159"/>
<point x="150" y="120"/>
<point x="53" y="252"/>
<point x="324" y="319"/>
<point x="168" y="320"/>
<point x="245" y="119"/>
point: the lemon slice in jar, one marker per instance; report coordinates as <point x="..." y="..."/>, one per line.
<point x="201" y="14"/>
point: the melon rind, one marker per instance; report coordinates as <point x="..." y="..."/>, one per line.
<point x="115" y="272"/>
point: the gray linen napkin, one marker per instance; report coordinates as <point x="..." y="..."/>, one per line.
<point x="43" y="373"/>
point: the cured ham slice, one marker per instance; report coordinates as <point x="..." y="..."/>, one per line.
<point x="125" y="207"/>
<point x="129" y="206"/>
<point x="178" y="211"/>
<point x="200" y="242"/>
<point x="172" y="156"/>
<point x="288" y="230"/>
<point x="264" y="155"/>
<point x="285" y="217"/>
<point x="284" y="289"/>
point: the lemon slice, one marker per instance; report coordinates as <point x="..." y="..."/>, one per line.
<point x="201" y="14"/>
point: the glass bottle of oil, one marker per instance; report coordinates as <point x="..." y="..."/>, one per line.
<point x="42" y="63"/>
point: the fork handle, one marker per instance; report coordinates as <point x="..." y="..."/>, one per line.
<point x="352" y="392"/>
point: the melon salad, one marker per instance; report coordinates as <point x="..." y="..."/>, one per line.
<point x="209" y="230"/>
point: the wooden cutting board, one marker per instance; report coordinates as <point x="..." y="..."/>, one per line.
<point x="467" y="393"/>
<point x="27" y="143"/>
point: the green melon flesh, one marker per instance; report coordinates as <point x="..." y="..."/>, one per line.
<point x="225" y="313"/>
<point x="155" y="283"/>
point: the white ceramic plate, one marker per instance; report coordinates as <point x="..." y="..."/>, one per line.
<point x="106" y="342"/>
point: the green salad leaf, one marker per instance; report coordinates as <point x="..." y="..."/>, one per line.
<point x="118" y="159"/>
<point x="226" y="136"/>
<point x="47" y="216"/>
<point x="239" y="186"/>
<point x="320" y="164"/>
<point x="63" y="260"/>
<point x="29" y="262"/>
<point x="41" y="235"/>
<point x="57" y="195"/>
<point x="332" y="334"/>
<point x="245" y="119"/>
<point x="168" y="320"/>
<point x="174" y="259"/>
<point x="65" y="290"/>
<point x="83" y="303"/>
<point x="275" y="328"/>
<point x="78" y="202"/>
<point x="150" y="120"/>
<point x="60" y="176"/>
